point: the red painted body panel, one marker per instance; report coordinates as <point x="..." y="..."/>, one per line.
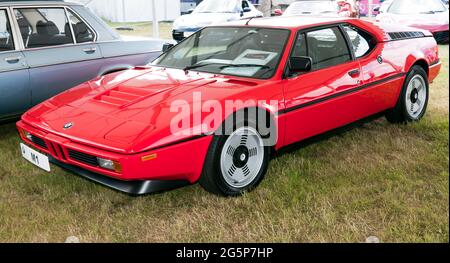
<point x="126" y="115"/>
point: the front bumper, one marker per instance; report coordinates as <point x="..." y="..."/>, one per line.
<point x="140" y="187"/>
<point x="179" y="35"/>
<point x="442" y="37"/>
<point x="141" y="172"/>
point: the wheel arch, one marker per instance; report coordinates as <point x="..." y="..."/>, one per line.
<point x="417" y="59"/>
<point x="270" y="117"/>
<point x="423" y="64"/>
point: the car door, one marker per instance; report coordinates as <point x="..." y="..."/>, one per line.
<point x="322" y="99"/>
<point x="379" y="77"/>
<point x="15" y="95"/>
<point x="59" y="48"/>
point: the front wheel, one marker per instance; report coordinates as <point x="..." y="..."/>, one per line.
<point x="413" y="101"/>
<point x="236" y="163"/>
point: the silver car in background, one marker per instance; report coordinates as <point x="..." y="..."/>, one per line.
<point x="313" y="8"/>
<point x="211" y="12"/>
<point x="48" y="47"/>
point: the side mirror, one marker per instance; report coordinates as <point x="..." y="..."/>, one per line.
<point x="277" y="12"/>
<point x="167" y="46"/>
<point x="247" y="9"/>
<point x="300" y="64"/>
<point x="190" y="11"/>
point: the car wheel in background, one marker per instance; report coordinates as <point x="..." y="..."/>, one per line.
<point x="413" y="101"/>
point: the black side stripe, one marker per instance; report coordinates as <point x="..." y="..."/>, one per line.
<point x="365" y="86"/>
<point x="195" y="137"/>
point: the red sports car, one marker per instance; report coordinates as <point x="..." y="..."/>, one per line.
<point x="213" y="108"/>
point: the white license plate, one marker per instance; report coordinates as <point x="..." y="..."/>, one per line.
<point x="35" y="157"/>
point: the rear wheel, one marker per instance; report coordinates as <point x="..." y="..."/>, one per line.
<point x="413" y="101"/>
<point x="236" y="163"/>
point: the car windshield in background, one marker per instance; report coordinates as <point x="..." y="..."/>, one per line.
<point x="306" y="7"/>
<point x="404" y="7"/>
<point x="218" y="6"/>
<point x="239" y="51"/>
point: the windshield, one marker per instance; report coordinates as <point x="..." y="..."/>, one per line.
<point x="238" y="51"/>
<point x="322" y="7"/>
<point x="417" y="7"/>
<point x="218" y="6"/>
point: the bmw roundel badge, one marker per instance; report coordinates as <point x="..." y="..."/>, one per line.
<point x="380" y="59"/>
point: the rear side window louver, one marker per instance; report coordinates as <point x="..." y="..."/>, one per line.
<point x="405" y="35"/>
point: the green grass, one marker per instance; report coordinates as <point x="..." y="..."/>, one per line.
<point x="390" y="181"/>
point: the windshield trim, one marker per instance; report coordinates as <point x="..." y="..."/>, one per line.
<point x="277" y="67"/>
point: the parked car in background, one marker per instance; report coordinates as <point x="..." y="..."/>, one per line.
<point x="384" y="6"/>
<point x="314" y="8"/>
<point x="295" y="77"/>
<point x="364" y="7"/>
<point x="187" y="6"/>
<point x="49" y="47"/>
<point x="431" y="15"/>
<point x="210" y="12"/>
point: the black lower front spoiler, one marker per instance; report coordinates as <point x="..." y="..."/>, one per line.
<point x="128" y="187"/>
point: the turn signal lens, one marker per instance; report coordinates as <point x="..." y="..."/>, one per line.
<point x="109" y="165"/>
<point x="149" y="157"/>
<point x="28" y="136"/>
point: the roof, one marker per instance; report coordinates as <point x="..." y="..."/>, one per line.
<point x="290" y="22"/>
<point x="380" y="31"/>
<point x="34" y="3"/>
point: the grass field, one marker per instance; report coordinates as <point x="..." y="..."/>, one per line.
<point x="144" y="29"/>
<point x="389" y="181"/>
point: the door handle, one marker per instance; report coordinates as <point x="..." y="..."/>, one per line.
<point x="90" y="50"/>
<point x="13" y="59"/>
<point x="354" y="73"/>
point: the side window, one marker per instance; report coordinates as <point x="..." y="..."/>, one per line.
<point x="362" y="43"/>
<point x="6" y="39"/>
<point x="82" y="32"/>
<point x="43" y="27"/>
<point x="327" y="48"/>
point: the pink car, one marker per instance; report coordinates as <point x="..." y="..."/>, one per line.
<point x="431" y="15"/>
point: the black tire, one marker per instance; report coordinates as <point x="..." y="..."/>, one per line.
<point x="212" y="179"/>
<point x="400" y="113"/>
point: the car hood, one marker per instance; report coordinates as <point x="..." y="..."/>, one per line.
<point x="129" y="112"/>
<point x="196" y="21"/>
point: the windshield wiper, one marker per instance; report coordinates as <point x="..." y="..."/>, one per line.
<point x="199" y="65"/>
<point x="428" y="12"/>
